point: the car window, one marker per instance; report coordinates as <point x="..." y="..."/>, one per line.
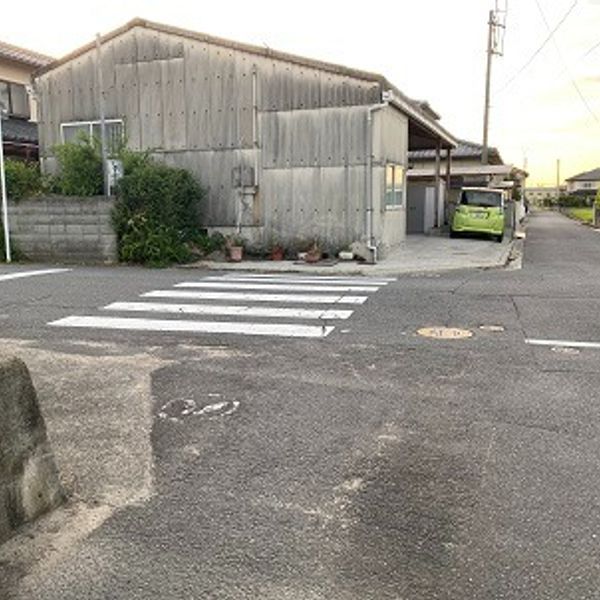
<point x="481" y="198"/>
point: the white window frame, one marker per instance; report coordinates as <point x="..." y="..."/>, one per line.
<point x="400" y="205"/>
<point x="90" y="125"/>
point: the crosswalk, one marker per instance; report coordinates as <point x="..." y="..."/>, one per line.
<point x="254" y="305"/>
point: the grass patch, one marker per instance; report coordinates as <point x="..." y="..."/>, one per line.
<point x="586" y="215"/>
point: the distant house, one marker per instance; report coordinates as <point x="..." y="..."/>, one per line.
<point x="466" y="169"/>
<point x="290" y="149"/>
<point x="539" y="194"/>
<point x="20" y="137"/>
<point x="584" y="184"/>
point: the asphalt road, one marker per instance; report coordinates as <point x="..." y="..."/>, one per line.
<point x="373" y="463"/>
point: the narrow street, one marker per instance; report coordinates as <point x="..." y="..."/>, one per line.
<point x="341" y="458"/>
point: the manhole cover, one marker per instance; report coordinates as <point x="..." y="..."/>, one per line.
<point x="495" y="328"/>
<point x="445" y="333"/>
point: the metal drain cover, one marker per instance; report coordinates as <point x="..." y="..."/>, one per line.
<point x="445" y="333"/>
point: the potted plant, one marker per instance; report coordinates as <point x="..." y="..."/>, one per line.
<point x="313" y="254"/>
<point x="235" y="248"/>
<point x="277" y="252"/>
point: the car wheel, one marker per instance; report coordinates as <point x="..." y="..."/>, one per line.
<point x="453" y="234"/>
<point x="499" y="238"/>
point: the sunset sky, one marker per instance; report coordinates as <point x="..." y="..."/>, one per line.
<point x="431" y="49"/>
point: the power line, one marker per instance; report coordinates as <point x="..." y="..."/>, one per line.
<point x="591" y="50"/>
<point x="541" y="47"/>
<point x="566" y="66"/>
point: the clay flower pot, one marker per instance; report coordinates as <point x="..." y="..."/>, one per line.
<point x="236" y="253"/>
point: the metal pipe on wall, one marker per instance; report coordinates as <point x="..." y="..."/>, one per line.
<point x="369" y="209"/>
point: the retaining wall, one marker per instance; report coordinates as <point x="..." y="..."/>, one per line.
<point x="29" y="483"/>
<point x="64" y="228"/>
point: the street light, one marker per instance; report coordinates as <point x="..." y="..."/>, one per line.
<point x="3" y="113"/>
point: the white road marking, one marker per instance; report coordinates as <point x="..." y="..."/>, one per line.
<point x="238" y="311"/>
<point x="22" y="274"/>
<point x="309" y="299"/>
<point x="267" y="286"/>
<point x="301" y="279"/>
<point x="180" y="326"/>
<point x="563" y="343"/>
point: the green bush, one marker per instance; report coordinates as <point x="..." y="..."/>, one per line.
<point x="573" y="201"/>
<point x="597" y="201"/>
<point x="23" y="179"/>
<point x="80" y="164"/>
<point x="15" y="253"/>
<point x="157" y="212"/>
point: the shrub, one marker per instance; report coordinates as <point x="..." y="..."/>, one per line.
<point x="80" y="165"/>
<point x="23" y="179"/>
<point x="157" y="211"/>
<point x="15" y="253"/>
<point x="597" y="201"/>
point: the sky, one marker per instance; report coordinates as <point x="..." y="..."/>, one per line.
<point x="545" y="103"/>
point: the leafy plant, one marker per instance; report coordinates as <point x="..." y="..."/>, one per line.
<point x="15" y="253"/>
<point x="23" y="179"/>
<point x="80" y="164"/>
<point x="157" y="212"/>
<point x="597" y="200"/>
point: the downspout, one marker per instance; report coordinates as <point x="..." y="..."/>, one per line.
<point x="372" y="247"/>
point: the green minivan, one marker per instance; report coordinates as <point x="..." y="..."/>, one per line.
<point x="479" y="210"/>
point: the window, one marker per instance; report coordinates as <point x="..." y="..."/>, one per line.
<point x="394" y="185"/>
<point x="14" y="98"/>
<point x="70" y="132"/>
<point x="483" y="198"/>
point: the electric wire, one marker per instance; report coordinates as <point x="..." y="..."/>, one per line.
<point x="566" y="66"/>
<point x="540" y="48"/>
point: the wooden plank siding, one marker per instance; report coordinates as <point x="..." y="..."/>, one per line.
<point x="191" y="103"/>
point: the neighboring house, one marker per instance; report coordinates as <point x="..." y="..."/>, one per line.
<point x="20" y="138"/>
<point x="584" y="184"/>
<point x="466" y="169"/>
<point x="539" y="194"/>
<point x="290" y="149"/>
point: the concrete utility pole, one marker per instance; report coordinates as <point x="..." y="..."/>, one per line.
<point x="495" y="46"/>
<point x="558" y="178"/>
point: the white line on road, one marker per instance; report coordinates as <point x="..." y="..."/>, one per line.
<point x="563" y="343"/>
<point x="180" y="326"/>
<point x="267" y="286"/>
<point x="22" y="274"/>
<point x="301" y="279"/>
<point x="238" y="311"/>
<point x="244" y="297"/>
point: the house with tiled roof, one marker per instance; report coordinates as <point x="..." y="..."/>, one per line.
<point x="584" y="184"/>
<point x="19" y="129"/>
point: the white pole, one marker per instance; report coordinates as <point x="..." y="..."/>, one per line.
<point x="4" y="201"/>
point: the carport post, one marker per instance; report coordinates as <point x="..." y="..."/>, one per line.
<point x="448" y="184"/>
<point x="438" y="151"/>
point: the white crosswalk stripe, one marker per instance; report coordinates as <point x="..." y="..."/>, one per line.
<point x="247" y="301"/>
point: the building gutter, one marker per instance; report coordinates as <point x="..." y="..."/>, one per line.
<point x="371" y="245"/>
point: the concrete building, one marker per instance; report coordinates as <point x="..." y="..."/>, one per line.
<point x="539" y="194"/>
<point x="290" y="149"/>
<point x="20" y="137"/>
<point x="584" y="184"/>
<point x="426" y="174"/>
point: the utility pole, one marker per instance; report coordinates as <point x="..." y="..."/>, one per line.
<point x="558" y="178"/>
<point x="3" y="192"/>
<point x="495" y="46"/>
<point x="103" y="147"/>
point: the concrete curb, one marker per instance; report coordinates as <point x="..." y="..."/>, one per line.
<point x="343" y="269"/>
<point x="29" y="483"/>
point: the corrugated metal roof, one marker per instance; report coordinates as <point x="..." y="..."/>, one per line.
<point x="593" y="175"/>
<point x="465" y="149"/>
<point x="19" y="130"/>
<point x="22" y="55"/>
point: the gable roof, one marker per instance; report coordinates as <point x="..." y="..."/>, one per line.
<point x="418" y="110"/>
<point x="22" y="55"/>
<point x="593" y="175"/>
<point x="464" y="149"/>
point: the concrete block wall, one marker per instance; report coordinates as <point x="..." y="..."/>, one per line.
<point x="64" y="228"/>
<point x="29" y="482"/>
